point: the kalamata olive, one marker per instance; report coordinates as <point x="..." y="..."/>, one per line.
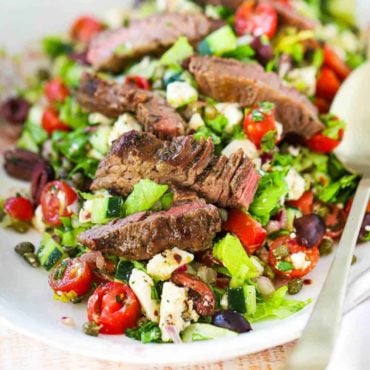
<point x="365" y="228"/>
<point x="310" y="230"/>
<point x="15" y="110"/>
<point x="231" y="320"/>
<point x="200" y="293"/>
<point x="20" y="163"/>
<point x="264" y="51"/>
<point x="42" y="174"/>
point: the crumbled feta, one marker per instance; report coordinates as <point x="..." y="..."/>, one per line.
<point x="38" y="221"/>
<point x="196" y="121"/>
<point x="162" y="265"/>
<point x="246" y="145"/>
<point x="126" y="122"/>
<point x="99" y="119"/>
<point x="299" y="261"/>
<point x="180" y="93"/>
<point x="294" y="150"/>
<point x="175" y="309"/>
<point x="305" y="77"/>
<point x="35" y="114"/>
<point x="232" y="112"/>
<point x="85" y="212"/>
<point x="224" y="302"/>
<point x="142" y="285"/>
<point x="296" y="184"/>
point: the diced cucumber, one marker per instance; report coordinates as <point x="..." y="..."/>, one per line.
<point x="114" y="207"/>
<point x="197" y="332"/>
<point x="177" y="53"/>
<point x="123" y="271"/>
<point x="104" y="208"/>
<point x="237" y="300"/>
<point x="219" y="42"/>
<point x="250" y="298"/>
<point x="49" y="254"/>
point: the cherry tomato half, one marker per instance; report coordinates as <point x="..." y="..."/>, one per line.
<point x="55" y="199"/>
<point x="19" y="208"/>
<point x="71" y="275"/>
<point x="327" y="84"/>
<point x="138" y="81"/>
<point x="249" y="231"/>
<point x="304" y="203"/>
<point x="85" y="28"/>
<point x="323" y="144"/>
<point x="259" y="121"/>
<point x="50" y="121"/>
<point x="114" y="307"/>
<point x="333" y="61"/>
<point x="55" y="90"/>
<point x="291" y="260"/>
<point x="257" y="20"/>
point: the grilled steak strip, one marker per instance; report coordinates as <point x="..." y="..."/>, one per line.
<point x="113" y="99"/>
<point x="287" y="14"/>
<point x="190" y="226"/>
<point x="112" y="50"/>
<point x="182" y="162"/>
<point x="229" y="80"/>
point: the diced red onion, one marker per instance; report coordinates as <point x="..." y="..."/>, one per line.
<point x="265" y="285"/>
<point x="173" y="333"/>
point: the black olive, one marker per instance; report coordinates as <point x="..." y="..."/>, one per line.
<point x="310" y="230"/>
<point x="15" y="110"/>
<point x="231" y="320"/>
<point x="42" y="174"/>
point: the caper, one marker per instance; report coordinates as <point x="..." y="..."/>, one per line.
<point x="281" y="251"/>
<point x="31" y="259"/>
<point x="354" y="260"/>
<point x="70" y="251"/>
<point x="210" y="112"/>
<point x="326" y="246"/>
<point x="268" y="272"/>
<point x="24" y="247"/>
<point x="295" y="286"/>
<point x="90" y="328"/>
<point x="20" y="226"/>
<point x="78" y="180"/>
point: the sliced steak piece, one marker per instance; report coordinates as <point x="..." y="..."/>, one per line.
<point x="112" y="50"/>
<point x="113" y="99"/>
<point x="182" y="162"/>
<point x="229" y="80"/>
<point x="191" y="226"/>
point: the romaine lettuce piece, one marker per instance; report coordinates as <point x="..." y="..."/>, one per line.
<point x="339" y="191"/>
<point x="231" y="253"/>
<point x="145" y="194"/>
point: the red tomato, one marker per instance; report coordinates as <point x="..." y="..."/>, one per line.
<point x="85" y="28"/>
<point x="71" y="275"/>
<point x="332" y="60"/>
<point x="335" y="221"/>
<point x="19" y="208"/>
<point x="138" y="81"/>
<point x="323" y="144"/>
<point x="55" y="199"/>
<point x="50" y="121"/>
<point x="114" y="307"/>
<point x="249" y="231"/>
<point x="322" y="104"/>
<point x="55" y="90"/>
<point x="327" y="84"/>
<point x="283" y="265"/>
<point x="257" y="20"/>
<point x="304" y="203"/>
<point x="259" y="121"/>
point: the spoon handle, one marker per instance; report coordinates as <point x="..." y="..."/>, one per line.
<point x="314" y="349"/>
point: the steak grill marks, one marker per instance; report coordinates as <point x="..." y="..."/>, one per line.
<point x="182" y="162"/>
<point x="113" y="99"/>
<point x="190" y="226"/>
<point x="229" y="80"/>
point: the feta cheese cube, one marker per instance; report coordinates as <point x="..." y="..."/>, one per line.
<point x="196" y="121"/>
<point x="232" y="113"/>
<point x="180" y="93"/>
<point x="246" y="145"/>
<point x="125" y="123"/>
<point x="299" y="261"/>
<point x="296" y="184"/>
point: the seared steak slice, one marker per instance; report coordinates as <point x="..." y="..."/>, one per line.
<point x="182" y="162"/>
<point x="191" y="226"/>
<point x="287" y="14"/>
<point x="112" y="50"/>
<point x="113" y="99"/>
<point x="229" y="80"/>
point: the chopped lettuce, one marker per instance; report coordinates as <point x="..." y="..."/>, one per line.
<point x="339" y="191"/>
<point x="146" y="333"/>
<point x="54" y="46"/>
<point x="231" y="253"/>
<point x="72" y="114"/>
<point x="177" y="53"/>
<point x="145" y="194"/>
<point x="276" y="306"/>
<point x="271" y="189"/>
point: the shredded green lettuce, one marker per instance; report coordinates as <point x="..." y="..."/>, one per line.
<point x="231" y="253"/>
<point x="146" y="333"/>
<point x="271" y="189"/>
<point x="276" y="306"/>
<point x="145" y="194"/>
<point x="339" y="191"/>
